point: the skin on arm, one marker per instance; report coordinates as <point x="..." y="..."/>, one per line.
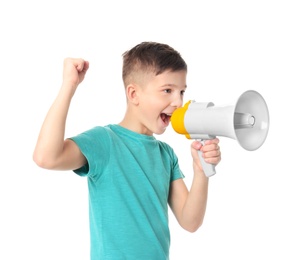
<point x="189" y="207"/>
<point x="52" y="151"/>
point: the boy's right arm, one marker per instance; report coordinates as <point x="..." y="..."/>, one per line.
<point x="52" y="151"/>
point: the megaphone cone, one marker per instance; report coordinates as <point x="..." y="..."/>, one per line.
<point x="251" y="138"/>
<point x="247" y="121"/>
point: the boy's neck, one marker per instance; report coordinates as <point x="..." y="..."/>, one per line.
<point x="131" y="123"/>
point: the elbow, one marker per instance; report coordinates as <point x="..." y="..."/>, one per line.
<point x="192" y="227"/>
<point x="42" y="161"/>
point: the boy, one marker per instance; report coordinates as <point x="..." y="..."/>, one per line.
<point x="132" y="177"/>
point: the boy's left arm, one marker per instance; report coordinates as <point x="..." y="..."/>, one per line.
<point x="189" y="206"/>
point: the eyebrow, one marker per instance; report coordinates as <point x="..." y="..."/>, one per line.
<point x="171" y="85"/>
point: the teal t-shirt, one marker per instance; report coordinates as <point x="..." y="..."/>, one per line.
<point x="129" y="176"/>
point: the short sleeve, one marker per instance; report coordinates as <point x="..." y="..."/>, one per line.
<point x="176" y="171"/>
<point x="94" y="145"/>
<point x="171" y="157"/>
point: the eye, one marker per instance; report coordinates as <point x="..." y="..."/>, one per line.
<point x="182" y="92"/>
<point x="167" y="90"/>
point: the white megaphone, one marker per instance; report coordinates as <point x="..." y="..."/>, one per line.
<point x="247" y="122"/>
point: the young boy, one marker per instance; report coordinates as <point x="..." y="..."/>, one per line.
<point x="132" y="177"/>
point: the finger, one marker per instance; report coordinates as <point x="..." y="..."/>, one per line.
<point x="210" y="147"/>
<point x="213" y="160"/>
<point x="212" y="154"/>
<point x="212" y="141"/>
<point x="80" y="64"/>
<point x="197" y="145"/>
<point x="86" y="66"/>
<point x="213" y="157"/>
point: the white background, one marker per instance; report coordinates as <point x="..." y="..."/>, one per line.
<point x="254" y="207"/>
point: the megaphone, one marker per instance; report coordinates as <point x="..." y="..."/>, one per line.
<point x="247" y="121"/>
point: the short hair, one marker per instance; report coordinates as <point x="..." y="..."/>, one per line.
<point x="151" y="57"/>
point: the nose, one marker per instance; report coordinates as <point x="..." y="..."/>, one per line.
<point x="177" y="102"/>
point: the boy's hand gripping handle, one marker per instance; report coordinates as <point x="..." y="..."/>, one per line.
<point x="208" y="169"/>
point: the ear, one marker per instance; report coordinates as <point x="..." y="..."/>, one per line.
<point x="132" y="92"/>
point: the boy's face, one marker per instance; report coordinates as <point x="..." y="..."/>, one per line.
<point x="158" y="97"/>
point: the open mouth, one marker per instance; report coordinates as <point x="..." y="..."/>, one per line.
<point x="166" y="118"/>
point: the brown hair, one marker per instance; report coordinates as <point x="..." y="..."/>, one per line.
<point x="151" y="57"/>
